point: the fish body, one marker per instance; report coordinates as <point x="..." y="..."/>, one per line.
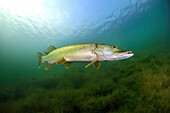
<point x="72" y="53"/>
<point x="89" y="52"/>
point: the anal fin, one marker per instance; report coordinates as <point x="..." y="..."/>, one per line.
<point x="60" y="60"/>
<point x="48" y="66"/>
<point x="67" y="65"/>
<point x="97" y="65"/>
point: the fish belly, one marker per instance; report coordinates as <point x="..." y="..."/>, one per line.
<point x="81" y="56"/>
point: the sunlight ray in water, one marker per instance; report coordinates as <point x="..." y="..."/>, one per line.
<point x="22" y="7"/>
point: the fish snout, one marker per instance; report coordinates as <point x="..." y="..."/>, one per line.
<point x="129" y="52"/>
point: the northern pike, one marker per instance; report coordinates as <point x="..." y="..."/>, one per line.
<point x="90" y="52"/>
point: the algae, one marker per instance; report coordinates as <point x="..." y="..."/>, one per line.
<point x="134" y="85"/>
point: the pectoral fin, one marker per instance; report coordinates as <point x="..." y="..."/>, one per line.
<point x="60" y="60"/>
<point x="92" y="62"/>
<point x="48" y="66"/>
<point x="67" y="65"/>
<point x="97" y="65"/>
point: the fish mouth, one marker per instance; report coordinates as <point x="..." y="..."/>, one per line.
<point x="124" y="52"/>
<point x="129" y="52"/>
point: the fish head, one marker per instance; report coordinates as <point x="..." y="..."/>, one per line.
<point x="111" y="53"/>
<point x="119" y="53"/>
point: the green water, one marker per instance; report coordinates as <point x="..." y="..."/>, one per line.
<point x="140" y="84"/>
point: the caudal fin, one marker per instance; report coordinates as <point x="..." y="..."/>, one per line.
<point x="40" y="59"/>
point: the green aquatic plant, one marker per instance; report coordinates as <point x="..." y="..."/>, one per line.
<point x="140" y="85"/>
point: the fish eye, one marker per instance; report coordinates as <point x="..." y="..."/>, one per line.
<point x="114" y="47"/>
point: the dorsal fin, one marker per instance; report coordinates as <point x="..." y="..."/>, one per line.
<point x="49" y="49"/>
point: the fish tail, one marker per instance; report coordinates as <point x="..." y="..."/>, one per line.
<point x="40" y="59"/>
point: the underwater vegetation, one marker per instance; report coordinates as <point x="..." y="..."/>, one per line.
<point x="137" y="85"/>
<point x="140" y="84"/>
